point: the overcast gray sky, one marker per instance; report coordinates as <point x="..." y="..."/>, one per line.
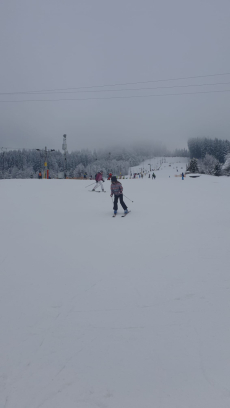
<point x="60" y="44"/>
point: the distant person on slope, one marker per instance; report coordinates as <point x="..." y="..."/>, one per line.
<point x="99" y="179"/>
<point x="153" y="176"/>
<point x="39" y="175"/>
<point x="117" y="191"/>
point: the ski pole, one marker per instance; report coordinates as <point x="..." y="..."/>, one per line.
<point x="90" y="184"/>
<point x="128" y="198"/>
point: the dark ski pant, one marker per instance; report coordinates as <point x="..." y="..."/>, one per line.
<point x="121" y="201"/>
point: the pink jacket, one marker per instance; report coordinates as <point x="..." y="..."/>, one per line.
<point x="99" y="177"/>
<point x="116" y="188"/>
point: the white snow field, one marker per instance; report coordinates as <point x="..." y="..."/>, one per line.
<point x="102" y="312"/>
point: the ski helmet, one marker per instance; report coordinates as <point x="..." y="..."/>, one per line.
<point x="113" y="179"/>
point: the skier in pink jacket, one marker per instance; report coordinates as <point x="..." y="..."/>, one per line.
<point x="99" y="179"/>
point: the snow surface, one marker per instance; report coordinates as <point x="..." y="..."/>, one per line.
<point x="115" y="312"/>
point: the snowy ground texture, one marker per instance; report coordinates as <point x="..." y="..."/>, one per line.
<point x="102" y="312"/>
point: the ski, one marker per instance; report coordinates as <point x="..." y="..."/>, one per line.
<point x="126" y="214"/>
<point x="91" y="191"/>
<point x="114" y="215"/>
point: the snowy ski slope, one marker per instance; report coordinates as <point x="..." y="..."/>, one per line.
<point x="115" y="312"/>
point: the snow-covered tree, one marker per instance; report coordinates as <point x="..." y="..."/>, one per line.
<point x="207" y="165"/>
<point x="217" y="170"/>
<point x="199" y="147"/>
<point x="79" y="170"/>
<point x="193" y="166"/>
<point x="226" y="165"/>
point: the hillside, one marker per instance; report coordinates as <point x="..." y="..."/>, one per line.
<point x="115" y="312"/>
